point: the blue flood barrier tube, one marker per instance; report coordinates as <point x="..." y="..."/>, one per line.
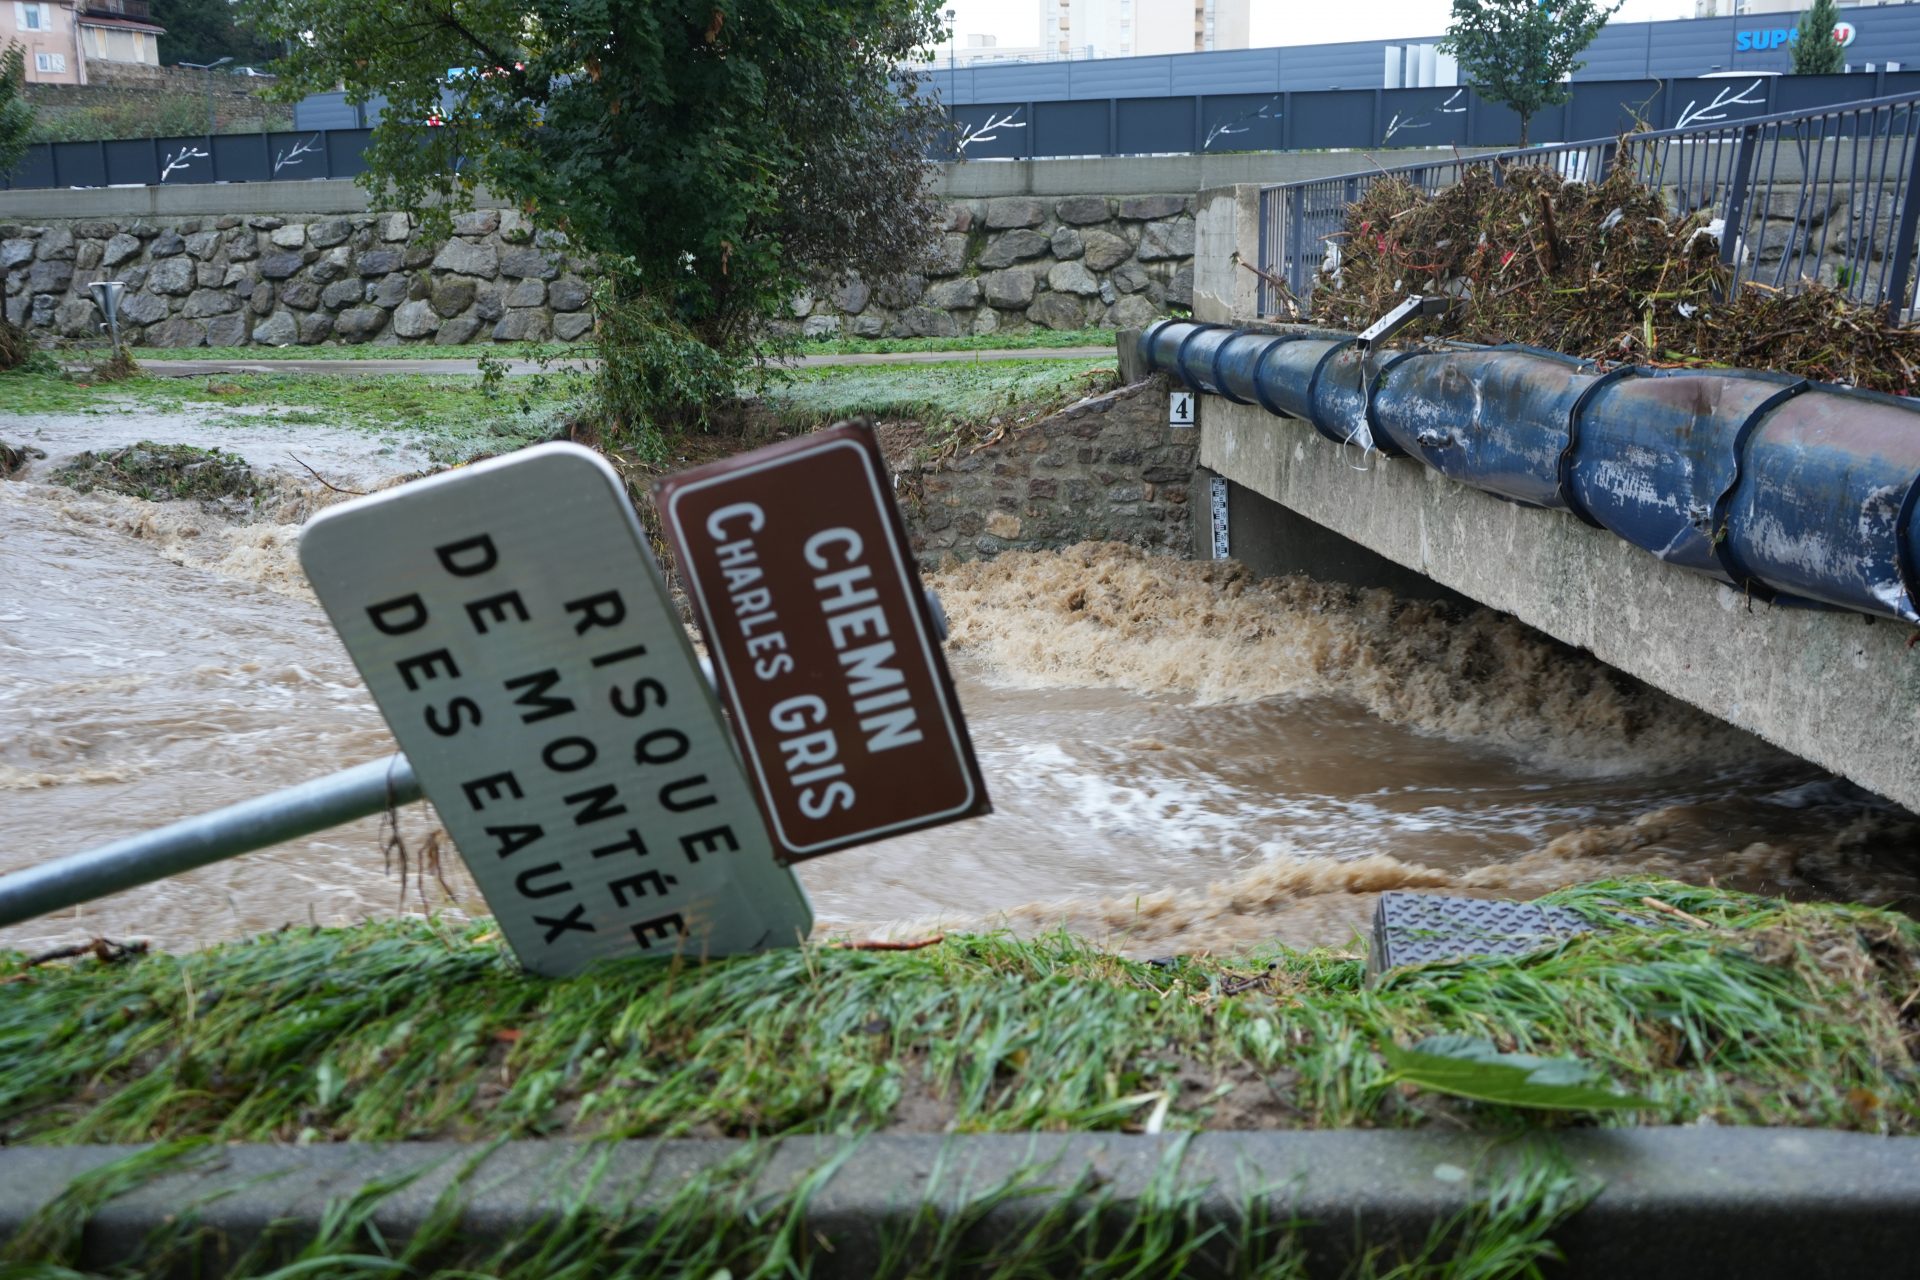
<point x="1569" y="495"/>
<point x="1655" y="453"/>
<point x="1494" y="419"/>
<point x="1822" y="484"/>
<point x="1798" y="493"/>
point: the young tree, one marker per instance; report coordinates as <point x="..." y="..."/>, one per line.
<point x="16" y="119"/>
<point x="1815" y="51"/>
<point x="16" y="116"/>
<point x="718" y="156"/>
<point x="1518" y="52"/>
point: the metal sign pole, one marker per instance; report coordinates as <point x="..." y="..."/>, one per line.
<point x="301" y="810"/>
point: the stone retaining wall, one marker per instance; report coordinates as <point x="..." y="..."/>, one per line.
<point x="1001" y="265"/>
<point x="1022" y="262"/>
<point x="1106" y="469"/>
<point x="362" y="278"/>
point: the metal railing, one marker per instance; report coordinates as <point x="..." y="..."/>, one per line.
<point x="1821" y="195"/>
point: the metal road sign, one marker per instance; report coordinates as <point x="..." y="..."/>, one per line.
<point x="514" y="629"/>
<point x="823" y="643"/>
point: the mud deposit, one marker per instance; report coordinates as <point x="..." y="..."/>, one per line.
<point x="1181" y="757"/>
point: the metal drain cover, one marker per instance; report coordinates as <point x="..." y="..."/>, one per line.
<point x="1416" y="928"/>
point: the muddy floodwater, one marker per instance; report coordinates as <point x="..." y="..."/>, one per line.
<point x="1180" y="757"/>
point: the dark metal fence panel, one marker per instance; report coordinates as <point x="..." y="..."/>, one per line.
<point x="79" y="164"/>
<point x="1073" y="128"/>
<point x="242" y="157"/>
<point x="297" y="155"/>
<point x="992" y="131"/>
<point x="1056" y="124"/>
<point x="1153" y="126"/>
<point x="1243" y="122"/>
<point x="346" y="152"/>
<point x="135" y="161"/>
<point x="1825" y="195"/>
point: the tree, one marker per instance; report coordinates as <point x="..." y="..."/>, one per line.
<point x="717" y="158"/>
<point x="16" y="116"/>
<point x="1519" y="52"/>
<point x="1815" y="51"/>
<point x="16" y="120"/>
<point x="205" y="31"/>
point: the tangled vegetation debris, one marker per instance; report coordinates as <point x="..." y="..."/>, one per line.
<point x="1602" y="270"/>
<point x="156" y="472"/>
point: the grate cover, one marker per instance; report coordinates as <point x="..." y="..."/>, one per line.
<point x="1415" y="928"/>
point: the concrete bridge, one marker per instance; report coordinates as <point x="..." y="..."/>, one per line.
<point x="1841" y="689"/>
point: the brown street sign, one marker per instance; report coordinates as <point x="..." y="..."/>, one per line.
<point x="510" y="620"/>
<point x="824" y="645"/>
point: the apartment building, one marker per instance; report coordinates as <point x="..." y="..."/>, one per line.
<point x="61" y="36"/>
<point x="1137" y="28"/>
<point x="47" y="30"/>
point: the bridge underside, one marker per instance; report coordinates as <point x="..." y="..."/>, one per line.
<point x="1839" y="689"/>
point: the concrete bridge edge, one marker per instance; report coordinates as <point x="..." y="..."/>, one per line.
<point x="1839" y="689"/>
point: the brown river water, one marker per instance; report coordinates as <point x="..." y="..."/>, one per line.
<point x="1181" y="757"/>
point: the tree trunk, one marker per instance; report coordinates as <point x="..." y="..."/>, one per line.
<point x="1525" y="120"/>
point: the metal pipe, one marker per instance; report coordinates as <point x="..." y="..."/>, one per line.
<point x="1801" y="493"/>
<point x="298" y="811"/>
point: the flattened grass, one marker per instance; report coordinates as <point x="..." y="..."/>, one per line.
<point x="937" y="394"/>
<point x="1770" y="1014"/>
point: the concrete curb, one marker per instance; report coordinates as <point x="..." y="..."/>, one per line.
<point x="1679" y="1203"/>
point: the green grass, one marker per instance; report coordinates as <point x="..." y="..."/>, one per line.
<point x="960" y="391"/>
<point x="1033" y="340"/>
<point x="369" y="351"/>
<point x="1777" y="1014"/>
<point x="455" y="416"/>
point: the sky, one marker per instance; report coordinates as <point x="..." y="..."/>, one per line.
<point x="1278" y="22"/>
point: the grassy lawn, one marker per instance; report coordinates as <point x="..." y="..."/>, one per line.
<point x="936" y="393"/>
<point x="369" y="351"/>
<point x="1762" y="1013"/>
<point x="459" y="415"/>
<point x="1034" y="340"/>
<point x="1719" y="1008"/>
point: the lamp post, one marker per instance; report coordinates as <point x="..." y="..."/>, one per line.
<point x="953" y="73"/>
<point x="208" y="68"/>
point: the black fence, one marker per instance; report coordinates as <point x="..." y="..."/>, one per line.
<point x="1823" y="195"/>
<point x="178" y="161"/>
<point x="1357" y="119"/>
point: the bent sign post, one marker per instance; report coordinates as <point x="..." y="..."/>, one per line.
<point x="512" y="625"/>
<point x="824" y="646"/>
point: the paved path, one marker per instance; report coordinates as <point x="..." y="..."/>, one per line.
<point x="201" y="368"/>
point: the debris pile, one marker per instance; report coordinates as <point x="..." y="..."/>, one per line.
<point x="157" y="472"/>
<point x="1599" y="270"/>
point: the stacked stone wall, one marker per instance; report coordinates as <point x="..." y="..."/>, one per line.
<point x="1003" y="265"/>
<point x="1016" y="263"/>
<point x="231" y="281"/>
<point x="1107" y="469"/>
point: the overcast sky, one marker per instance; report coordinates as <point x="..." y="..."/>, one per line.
<point x="1017" y="22"/>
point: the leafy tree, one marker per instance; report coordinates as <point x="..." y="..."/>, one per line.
<point x="16" y="116"/>
<point x="1815" y="51"/>
<point x="206" y="31"/>
<point x="1519" y="52"/>
<point x="16" y="122"/>
<point x="716" y="157"/>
